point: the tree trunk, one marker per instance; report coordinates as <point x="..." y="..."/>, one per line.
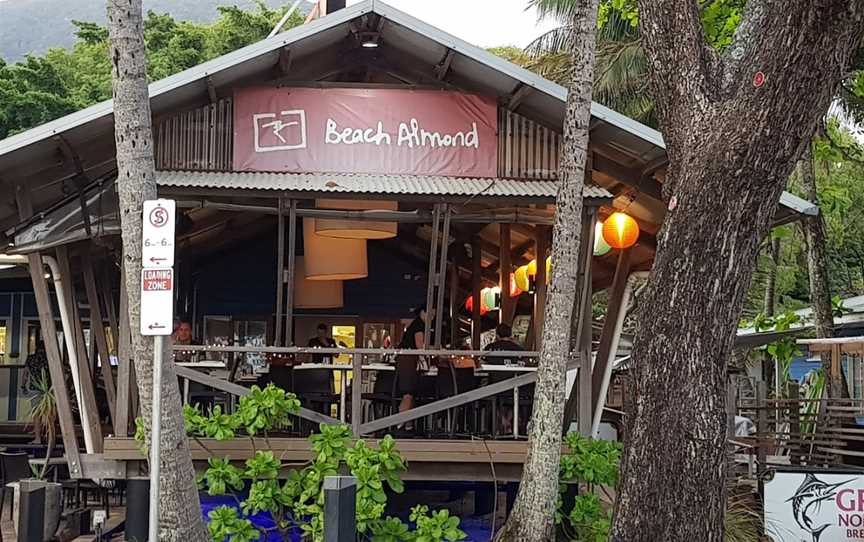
<point x="179" y="508"/>
<point x="734" y="125"/>
<point x="771" y="280"/>
<point x="817" y="261"/>
<point x="533" y="515"/>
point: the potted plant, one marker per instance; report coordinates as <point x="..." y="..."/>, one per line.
<point x="43" y="418"/>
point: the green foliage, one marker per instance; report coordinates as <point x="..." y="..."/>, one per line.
<point x="263" y="466"/>
<point x="226" y="523"/>
<point x="265" y="410"/>
<point x="436" y="527"/>
<point x="838" y="309"/>
<point x="222" y="477"/>
<point x="390" y="530"/>
<point x="42" y="88"/>
<point x="590" y="464"/>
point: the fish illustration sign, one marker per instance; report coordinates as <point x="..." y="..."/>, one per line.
<point x="814" y="507"/>
<point x="349" y="130"/>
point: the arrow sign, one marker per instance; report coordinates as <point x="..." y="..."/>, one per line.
<point x="157" y="300"/>
<point x="157" y="240"/>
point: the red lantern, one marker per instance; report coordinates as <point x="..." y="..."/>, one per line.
<point x="514" y="290"/>
<point x="469" y="304"/>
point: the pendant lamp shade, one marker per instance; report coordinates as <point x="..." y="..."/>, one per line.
<point x="315" y="294"/>
<point x="328" y="258"/>
<point x="356" y="229"/>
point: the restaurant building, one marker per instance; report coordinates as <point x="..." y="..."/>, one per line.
<point x="346" y="172"/>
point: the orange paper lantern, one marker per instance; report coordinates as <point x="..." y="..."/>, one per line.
<point x="620" y="231"/>
<point x="514" y="288"/>
<point x="469" y="305"/>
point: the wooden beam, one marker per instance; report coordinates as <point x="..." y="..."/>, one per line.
<point x="613" y="310"/>
<point x="440" y="277"/>
<point x="52" y="349"/>
<point x="430" y="285"/>
<point x="211" y="91"/>
<point x="625" y="175"/>
<point x="292" y="249"/>
<point x="518" y="95"/>
<point x="476" y="322"/>
<point x="85" y="376"/>
<point x="540" y="285"/>
<point x="443" y="67"/>
<point x="454" y="305"/>
<point x="285" y="60"/>
<point x="280" y="270"/>
<point x="97" y="332"/>
<point x="508" y="304"/>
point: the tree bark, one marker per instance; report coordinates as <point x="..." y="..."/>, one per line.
<point x="734" y="125"/>
<point x="533" y="515"/>
<point x="771" y="280"/>
<point x="817" y="261"/>
<point x="179" y="508"/>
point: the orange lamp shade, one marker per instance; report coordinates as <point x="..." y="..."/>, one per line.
<point x="315" y="294"/>
<point x="620" y="231"/>
<point x="328" y="258"/>
<point x="355" y="229"/>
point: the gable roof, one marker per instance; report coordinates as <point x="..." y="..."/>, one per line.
<point x="39" y="156"/>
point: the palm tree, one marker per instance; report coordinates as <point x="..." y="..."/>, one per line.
<point x="621" y="74"/>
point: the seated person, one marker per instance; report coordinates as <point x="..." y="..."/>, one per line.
<point x="503" y="343"/>
<point x="322" y="340"/>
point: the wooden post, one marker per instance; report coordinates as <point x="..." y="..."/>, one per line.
<point x="280" y="271"/>
<point x="125" y="396"/>
<point x="440" y="276"/>
<point x="454" y="305"/>
<point x="292" y="248"/>
<point x="795" y="424"/>
<point x="476" y="325"/>
<point x="836" y="368"/>
<point x="585" y="312"/>
<point x="507" y="303"/>
<point x="356" y="394"/>
<point x="85" y="377"/>
<point x="97" y="333"/>
<point x="49" y="338"/>
<point x="761" y="424"/>
<point x="430" y="285"/>
<point x="613" y="310"/>
<point x="540" y="289"/>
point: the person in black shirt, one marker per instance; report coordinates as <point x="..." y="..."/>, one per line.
<point x="503" y="343"/>
<point x="322" y="340"/>
<point x="406" y="364"/>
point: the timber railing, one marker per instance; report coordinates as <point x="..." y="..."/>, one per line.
<point x="359" y="356"/>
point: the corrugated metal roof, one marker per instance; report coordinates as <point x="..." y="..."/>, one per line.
<point x="357" y="183"/>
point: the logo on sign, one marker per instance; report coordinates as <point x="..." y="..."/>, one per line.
<point x="158" y="217"/>
<point x="283" y="132"/>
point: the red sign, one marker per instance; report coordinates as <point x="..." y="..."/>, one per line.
<point x="157" y="280"/>
<point x="387" y="131"/>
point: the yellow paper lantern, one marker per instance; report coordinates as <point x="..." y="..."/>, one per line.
<point x="548" y="269"/>
<point x="601" y="247"/>
<point x="356" y="229"/>
<point x="315" y="294"/>
<point x="521" y="278"/>
<point x="328" y="258"/>
<point x="620" y="231"/>
<point x="532" y="268"/>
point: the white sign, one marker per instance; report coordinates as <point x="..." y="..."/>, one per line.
<point x="157" y="242"/>
<point x="814" y="507"/>
<point x="157" y="301"/>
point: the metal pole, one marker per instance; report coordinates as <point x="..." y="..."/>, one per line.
<point x="155" y="436"/>
<point x="340" y="508"/>
<point x="280" y="270"/>
<point x="430" y="289"/>
<point x="439" y="279"/>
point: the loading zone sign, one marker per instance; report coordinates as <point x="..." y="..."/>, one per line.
<point x="157" y="301"/>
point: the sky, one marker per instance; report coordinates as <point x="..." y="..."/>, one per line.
<point x="487" y="23"/>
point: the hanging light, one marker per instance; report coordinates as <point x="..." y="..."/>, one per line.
<point x="491" y="297"/>
<point x="601" y="247"/>
<point x="356" y="229"/>
<point x="315" y="294"/>
<point x="620" y="230"/>
<point x="328" y="258"/>
<point x="469" y="304"/>
<point x="521" y="278"/>
<point x="514" y="288"/>
<point x="548" y="269"/>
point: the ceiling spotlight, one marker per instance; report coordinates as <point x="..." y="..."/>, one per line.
<point x="6" y="266"/>
<point x="369" y="40"/>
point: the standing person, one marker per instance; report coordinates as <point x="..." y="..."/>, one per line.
<point x="503" y="343"/>
<point x="406" y="364"/>
<point x="322" y="340"/>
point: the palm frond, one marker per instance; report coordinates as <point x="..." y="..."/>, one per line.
<point x="562" y="10"/>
